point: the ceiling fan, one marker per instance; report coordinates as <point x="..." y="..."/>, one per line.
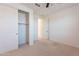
<point x="38" y="5"/>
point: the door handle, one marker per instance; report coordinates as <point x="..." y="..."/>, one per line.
<point x="16" y="33"/>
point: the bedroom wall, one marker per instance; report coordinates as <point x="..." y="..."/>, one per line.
<point x="36" y="26"/>
<point x="64" y="26"/>
<point x="41" y="24"/>
<point x="9" y="26"/>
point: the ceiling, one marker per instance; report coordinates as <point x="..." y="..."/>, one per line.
<point x="53" y="7"/>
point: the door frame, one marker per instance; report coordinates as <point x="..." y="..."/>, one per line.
<point x="48" y="29"/>
<point x="26" y="25"/>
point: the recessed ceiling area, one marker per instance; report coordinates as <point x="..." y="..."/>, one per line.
<point x="53" y="7"/>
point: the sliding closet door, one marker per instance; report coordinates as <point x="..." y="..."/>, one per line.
<point x="22" y="28"/>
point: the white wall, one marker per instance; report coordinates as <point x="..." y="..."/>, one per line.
<point x="9" y="26"/>
<point x="31" y="20"/>
<point x="41" y="24"/>
<point x="46" y="28"/>
<point x="64" y="26"/>
<point x="36" y="26"/>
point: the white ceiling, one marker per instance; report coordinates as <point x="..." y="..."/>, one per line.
<point x="53" y="7"/>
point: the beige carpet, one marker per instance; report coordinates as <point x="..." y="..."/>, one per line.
<point x="45" y="48"/>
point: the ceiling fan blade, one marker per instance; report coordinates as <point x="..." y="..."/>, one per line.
<point x="47" y="5"/>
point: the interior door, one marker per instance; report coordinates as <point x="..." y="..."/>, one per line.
<point x="22" y="28"/>
<point x="46" y="28"/>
